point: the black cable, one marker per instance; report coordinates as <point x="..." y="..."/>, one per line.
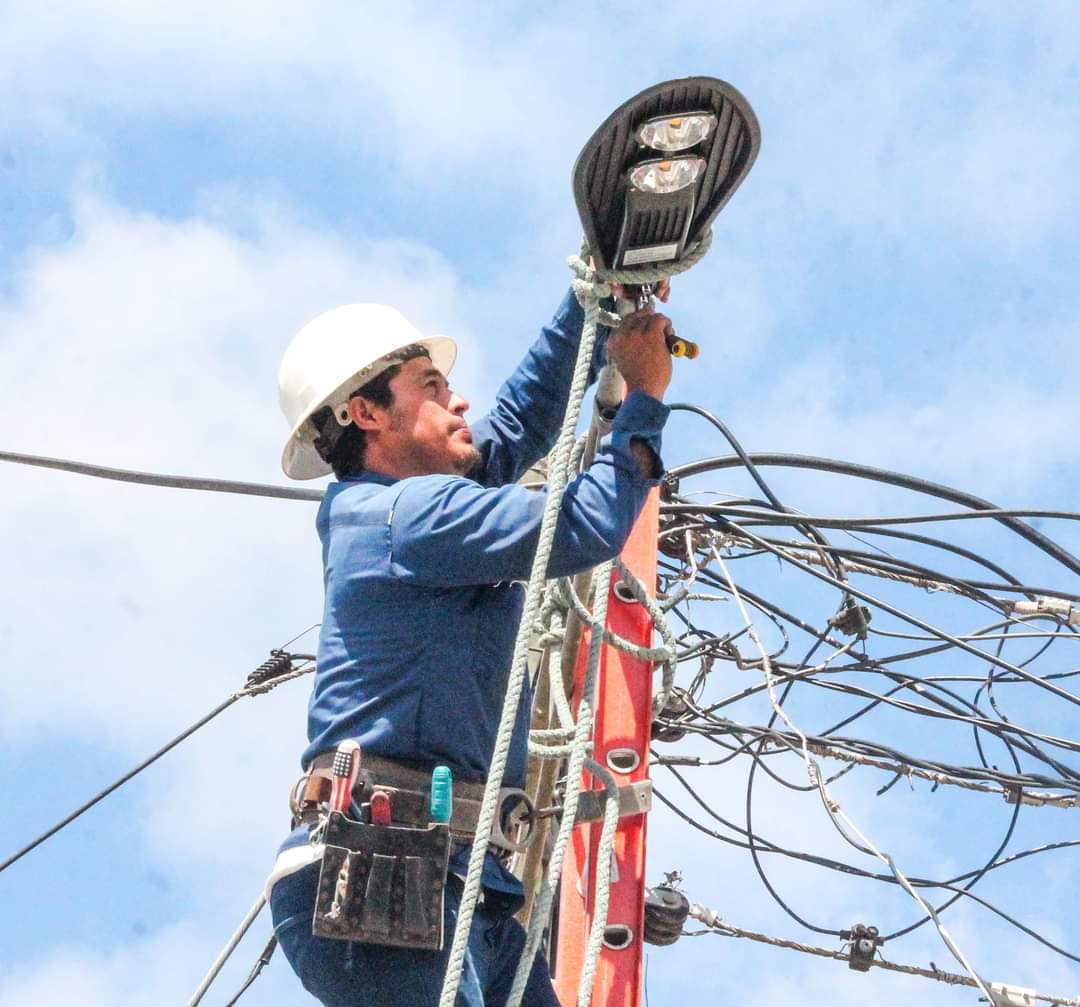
<point x="684" y="518"/>
<point x="979" y="874"/>
<point x="850" y="869"/>
<point x="839" y="866"/>
<point x="893" y="564"/>
<point x="753" y="516"/>
<point x="761" y="870"/>
<point x="901" y="535"/>
<point x="157" y="479"/>
<point x="101" y="795"/>
<point x="806" y="528"/>
<point x="149" y="761"/>
<point x="975" y="876"/>
<point x="905" y="682"/>
<point x="1017" y="734"/>
<point x="260" y="963"/>
<point x="1014" y="922"/>
<point x="914" y="620"/>
<point x="884" y="476"/>
<point x="878" y="750"/>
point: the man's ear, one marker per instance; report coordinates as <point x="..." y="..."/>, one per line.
<point x="363" y="414"/>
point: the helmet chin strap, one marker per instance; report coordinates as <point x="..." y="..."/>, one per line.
<point x="328" y="434"/>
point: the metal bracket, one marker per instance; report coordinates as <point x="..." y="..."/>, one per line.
<point x="634" y="799"/>
<point x="863" y="942"/>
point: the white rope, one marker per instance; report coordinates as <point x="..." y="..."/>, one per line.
<point x="605" y="851"/>
<point x="657" y="655"/>
<point x="589" y="286"/>
<point x="541" y="912"/>
<point x="656" y="613"/>
<point x="557" y="480"/>
<point x="557" y="691"/>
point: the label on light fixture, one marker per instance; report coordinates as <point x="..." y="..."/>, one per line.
<point x="649" y="253"/>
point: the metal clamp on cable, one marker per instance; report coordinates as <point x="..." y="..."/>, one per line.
<point x="863" y="944"/>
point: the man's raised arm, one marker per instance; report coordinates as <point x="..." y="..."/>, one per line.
<point x="523" y="425"/>
<point x="447" y="531"/>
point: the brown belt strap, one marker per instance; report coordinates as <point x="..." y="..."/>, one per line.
<point x="391" y="773"/>
<point x="408" y="787"/>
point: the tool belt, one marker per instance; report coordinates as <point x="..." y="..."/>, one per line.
<point x="409" y="789"/>
<point x="382" y="884"/>
<point x="385" y="883"/>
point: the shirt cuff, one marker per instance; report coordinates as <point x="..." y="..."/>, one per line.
<point x="641" y="417"/>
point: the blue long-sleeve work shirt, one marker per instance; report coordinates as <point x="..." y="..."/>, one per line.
<point x="422" y="575"/>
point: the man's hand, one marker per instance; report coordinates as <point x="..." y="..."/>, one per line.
<point x="638" y="348"/>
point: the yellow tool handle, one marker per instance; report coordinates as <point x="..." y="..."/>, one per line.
<point x="679" y="347"/>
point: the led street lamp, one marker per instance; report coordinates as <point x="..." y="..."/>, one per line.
<point x="666" y="176"/>
<point x="676" y="132"/>
<point x="660" y="168"/>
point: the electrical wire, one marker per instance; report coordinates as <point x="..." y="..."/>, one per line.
<point x="691" y="529"/>
<point x="865" y="666"/>
<point x="166" y="481"/>
<point x="258" y="682"/>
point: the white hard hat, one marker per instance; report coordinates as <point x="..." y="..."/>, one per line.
<point x="332" y="356"/>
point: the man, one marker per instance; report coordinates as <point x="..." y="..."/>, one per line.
<point x="426" y="537"/>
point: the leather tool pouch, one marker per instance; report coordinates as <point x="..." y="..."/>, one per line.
<point x="382" y="884"/>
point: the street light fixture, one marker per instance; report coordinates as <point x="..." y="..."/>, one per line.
<point x="659" y="169"/>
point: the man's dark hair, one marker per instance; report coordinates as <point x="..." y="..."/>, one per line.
<point x="342" y="448"/>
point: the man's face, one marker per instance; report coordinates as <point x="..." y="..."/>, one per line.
<point x="423" y="431"/>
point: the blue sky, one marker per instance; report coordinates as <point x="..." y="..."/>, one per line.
<point x="181" y="188"/>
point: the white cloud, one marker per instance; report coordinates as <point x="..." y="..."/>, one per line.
<point x="128" y="612"/>
<point x="151" y="344"/>
<point x="149" y="973"/>
<point x="453" y="89"/>
<point x="868" y="124"/>
<point x="993" y="429"/>
<point x="164" y="968"/>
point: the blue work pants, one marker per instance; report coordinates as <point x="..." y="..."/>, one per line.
<point x="348" y="974"/>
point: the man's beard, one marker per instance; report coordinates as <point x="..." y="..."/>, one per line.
<point x="469" y="463"/>
<point x="462" y="465"/>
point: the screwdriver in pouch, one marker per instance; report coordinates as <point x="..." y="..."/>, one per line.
<point x="442" y="794"/>
<point x="345" y="770"/>
<point x="380" y="808"/>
